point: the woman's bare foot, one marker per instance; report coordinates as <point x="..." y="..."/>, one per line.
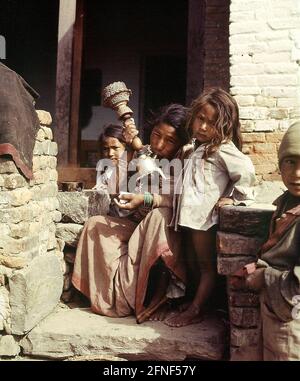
<point x="190" y="316"/>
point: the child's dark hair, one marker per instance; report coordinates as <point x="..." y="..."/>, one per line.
<point x="227" y="124"/>
<point x="111" y="131"/>
<point x="174" y="115"/>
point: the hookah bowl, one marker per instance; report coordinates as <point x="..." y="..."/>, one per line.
<point x="116" y="96"/>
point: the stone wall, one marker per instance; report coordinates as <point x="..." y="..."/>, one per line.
<point x="242" y="231"/>
<point x="31" y="260"/>
<point x="265" y="75"/>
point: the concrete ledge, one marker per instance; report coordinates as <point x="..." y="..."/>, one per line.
<point x="79" y="332"/>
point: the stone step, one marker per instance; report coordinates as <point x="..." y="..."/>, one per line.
<point x="79" y="332"/>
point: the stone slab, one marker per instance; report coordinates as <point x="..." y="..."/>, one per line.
<point x="79" y="332"/>
<point x="244" y="220"/>
<point x="236" y="244"/>
<point x="77" y="207"/>
<point x="34" y="292"/>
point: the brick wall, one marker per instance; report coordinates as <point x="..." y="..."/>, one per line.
<point x="264" y="75"/>
<point x="242" y="230"/>
<point x="216" y="44"/>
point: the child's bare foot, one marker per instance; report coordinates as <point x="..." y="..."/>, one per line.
<point x="161" y="313"/>
<point x="190" y="316"/>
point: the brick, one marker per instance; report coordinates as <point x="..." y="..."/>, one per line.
<point x="272" y="177"/>
<point x="246" y="27"/>
<point x="242" y="38"/>
<point x="14" y="181"/>
<point x="254" y="137"/>
<point x="284" y="23"/>
<point x="265" y="168"/>
<point x="20" y="196"/>
<point x="47" y="132"/>
<point x="236" y="49"/>
<point x="245" y="90"/>
<point x="243" y="337"/>
<point x="279" y="113"/>
<point x="281" y="68"/>
<point x="247" y="125"/>
<point x="277" y="80"/>
<point x="44" y="117"/>
<point x="245" y="221"/>
<point x="53" y="175"/>
<point x="38" y="149"/>
<point x="247" y="149"/>
<point x="7" y="166"/>
<point x="272" y="35"/>
<point x="40" y="136"/>
<point x="264" y="158"/>
<point x="228" y="266"/>
<point x="288" y="102"/>
<point x="236" y="244"/>
<point x="11" y="246"/>
<point x="279" y="92"/>
<point x="245" y="317"/>
<point x="295" y="54"/>
<point x="19" y="230"/>
<point x="265" y="101"/>
<point x="254" y="113"/>
<point x="242" y="6"/>
<point x="15" y="215"/>
<point x="243" y="80"/>
<point x="281" y="46"/>
<point x="266" y="125"/>
<point x="265" y="148"/>
<point x="41" y="192"/>
<point x="271" y="57"/>
<point x="239" y="16"/>
<point x="14" y="262"/>
<point x="243" y="299"/>
<point x="294" y="34"/>
<point x="240" y="58"/>
<point x="284" y="124"/>
<point x="245" y="100"/>
<point x="46" y="148"/>
<point x="274" y="137"/>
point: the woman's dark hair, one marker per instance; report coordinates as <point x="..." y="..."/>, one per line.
<point x="174" y="115"/>
<point x="111" y="131"/>
<point x="227" y="123"/>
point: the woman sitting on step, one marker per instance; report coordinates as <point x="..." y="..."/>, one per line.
<point x="128" y="266"/>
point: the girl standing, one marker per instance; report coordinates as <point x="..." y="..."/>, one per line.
<point x="216" y="174"/>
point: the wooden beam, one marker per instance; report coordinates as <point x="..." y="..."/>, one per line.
<point x="67" y="14"/>
<point x="195" y="53"/>
<point x="75" y="133"/>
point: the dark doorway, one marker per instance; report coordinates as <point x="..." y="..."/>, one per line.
<point x="164" y="83"/>
<point x="30" y="28"/>
<point x="140" y="42"/>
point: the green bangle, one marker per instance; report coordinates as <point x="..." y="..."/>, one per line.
<point x="148" y="199"/>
